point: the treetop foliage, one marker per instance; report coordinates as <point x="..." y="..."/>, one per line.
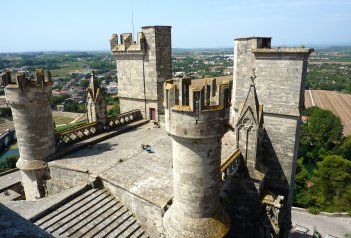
<point x="323" y="172"/>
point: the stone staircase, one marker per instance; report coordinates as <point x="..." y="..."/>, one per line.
<point x="94" y="213"/>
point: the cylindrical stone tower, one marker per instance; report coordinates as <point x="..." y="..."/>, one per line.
<point x="30" y="104"/>
<point x="197" y="129"/>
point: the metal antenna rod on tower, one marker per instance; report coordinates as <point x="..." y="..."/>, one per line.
<point x="133" y="25"/>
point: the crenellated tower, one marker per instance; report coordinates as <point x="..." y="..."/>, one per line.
<point x="5" y="78"/>
<point x="30" y="104"/>
<point x="142" y="67"/>
<point x="197" y="125"/>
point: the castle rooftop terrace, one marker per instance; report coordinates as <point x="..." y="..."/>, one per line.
<point x="122" y="162"/>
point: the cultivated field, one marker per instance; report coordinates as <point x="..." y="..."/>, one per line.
<point x="59" y="118"/>
<point x="338" y="103"/>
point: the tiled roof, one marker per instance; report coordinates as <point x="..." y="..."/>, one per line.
<point x="94" y="213"/>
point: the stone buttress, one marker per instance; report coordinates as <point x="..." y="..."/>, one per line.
<point x="30" y="104"/>
<point x="197" y="127"/>
<point x="280" y="84"/>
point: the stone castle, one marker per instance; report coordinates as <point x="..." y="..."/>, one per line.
<point x="223" y="167"/>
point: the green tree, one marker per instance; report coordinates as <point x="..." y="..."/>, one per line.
<point x="5" y="112"/>
<point x="55" y="100"/>
<point x="321" y="134"/>
<point x="84" y="83"/>
<point x="115" y="110"/>
<point x="325" y="128"/>
<point x="75" y="107"/>
<point x="332" y="183"/>
<point x="301" y="197"/>
<point x="9" y="163"/>
<point x="344" y="149"/>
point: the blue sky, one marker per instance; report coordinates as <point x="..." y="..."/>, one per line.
<point x="32" y="25"/>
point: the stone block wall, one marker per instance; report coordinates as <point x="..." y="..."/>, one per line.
<point x="130" y="67"/>
<point x="62" y="179"/>
<point x="149" y="215"/>
<point x="127" y="103"/>
<point x="279" y="82"/>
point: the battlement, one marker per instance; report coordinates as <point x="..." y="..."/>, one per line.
<point x="196" y="95"/>
<point x="5" y="78"/>
<point x="127" y="44"/>
<point x="256" y="42"/>
<point x="22" y="79"/>
<point x="196" y="108"/>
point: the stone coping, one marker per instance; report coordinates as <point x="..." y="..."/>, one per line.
<point x="283" y="50"/>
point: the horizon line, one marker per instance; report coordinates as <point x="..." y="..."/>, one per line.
<point x="177" y="48"/>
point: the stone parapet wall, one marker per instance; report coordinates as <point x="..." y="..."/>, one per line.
<point x="148" y="215"/>
<point x="190" y="111"/>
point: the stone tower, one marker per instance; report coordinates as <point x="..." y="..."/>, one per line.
<point x="197" y="128"/>
<point x="30" y="104"/>
<point x="142" y="68"/>
<point x="96" y="105"/>
<point x="280" y="84"/>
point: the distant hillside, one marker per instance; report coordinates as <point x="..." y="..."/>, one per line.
<point x="338" y="48"/>
<point x="202" y="50"/>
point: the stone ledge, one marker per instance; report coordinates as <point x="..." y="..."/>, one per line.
<point x="283" y="50"/>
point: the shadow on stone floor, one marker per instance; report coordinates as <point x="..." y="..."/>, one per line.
<point x="92" y="150"/>
<point x="295" y="234"/>
<point x="244" y="207"/>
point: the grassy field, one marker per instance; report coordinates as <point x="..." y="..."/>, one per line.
<point x="13" y="146"/>
<point x="59" y="120"/>
<point x="68" y="68"/>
